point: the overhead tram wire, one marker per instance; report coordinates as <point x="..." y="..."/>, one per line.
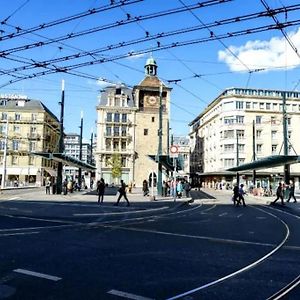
<point x="173" y="81"/>
<point x="221" y="42"/>
<point x="136" y="41"/>
<point x="164" y="34"/>
<point x="280" y="27"/>
<point x="14" y="12"/>
<point x="20" y="31"/>
<point x="113" y="25"/>
<point x="66" y="69"/>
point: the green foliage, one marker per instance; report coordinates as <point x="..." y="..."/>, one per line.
<point x="116" y="165"/>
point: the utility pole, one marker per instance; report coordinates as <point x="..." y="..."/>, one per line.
<point x="285" y="139"/>
<point x="159" y="151"/>
<point x="237" y="159"/>
<point x="4" y="156"/>
<point x="92" y="141"/>
<point x="80" y="150"/>
<point x="254" y="151"/>
<point x="61" y="139"/>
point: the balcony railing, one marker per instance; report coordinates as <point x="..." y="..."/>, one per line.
<point x="33" y="136"/>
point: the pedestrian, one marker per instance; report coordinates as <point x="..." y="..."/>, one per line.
<point x="279" y="194"/>
<point x="179" y="189"/>
<point x="235" y="196"/>
<point x="292" y="192"/>
<point x="48" y="184"/>
<point x="145" y="188"/>
<point x="100" y="190"/>
<point x="187" y="188"/>
<point x="122" y="193"/>
<point x="241" y="195"/>
<point x="65" y="187"/>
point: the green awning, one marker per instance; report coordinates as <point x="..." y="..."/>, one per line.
<point x="66" y="159"/>
<point x="267" y="162"/>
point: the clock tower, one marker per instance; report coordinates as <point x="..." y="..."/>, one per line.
<point x="147" y="96"/>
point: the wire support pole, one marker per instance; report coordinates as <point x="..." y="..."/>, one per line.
<point x="61" y="139"/>
<point x="159" y="150"/>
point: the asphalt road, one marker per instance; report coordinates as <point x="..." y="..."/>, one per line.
<point x="75" y="249"/>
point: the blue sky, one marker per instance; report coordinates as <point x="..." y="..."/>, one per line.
<point x="202" y="69"/>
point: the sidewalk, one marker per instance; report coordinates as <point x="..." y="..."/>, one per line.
<point x="39" y="194"/>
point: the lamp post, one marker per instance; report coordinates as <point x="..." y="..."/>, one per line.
<point x="80" y="150"/>
<point x="4" y="156"/>
<point x="159" y="150"/>
<point x="285" y="139"/>
<point x="61" y="139"/>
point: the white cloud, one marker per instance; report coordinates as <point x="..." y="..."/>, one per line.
<point x="272" y="54"/>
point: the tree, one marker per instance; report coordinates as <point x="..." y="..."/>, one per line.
<point x="116" y="165"/>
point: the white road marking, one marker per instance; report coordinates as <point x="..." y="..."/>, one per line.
<point x="127" y="295"/>
<point x="119" y="213"/>
<point x="36" y="274"/>
<point x="14" y="198"/>
<point x="223" y="214"/>
<point x="19" y="233"/>
<point x="238" y="216"/>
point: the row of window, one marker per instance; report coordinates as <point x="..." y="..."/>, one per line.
<point x="115" y="145"/>
<point x="116" y="130"/>
<point x="264" y="93"/>
<point x="15" y="145"/>
<point x="258" y="120"/>
<point x="229" y="134"/>
<point x="17" y="116"/>
<point x="14" y="160"/>
<point x="116" y="117"/>
<point x="267" y="106"/>
<point x="229" y="148"/>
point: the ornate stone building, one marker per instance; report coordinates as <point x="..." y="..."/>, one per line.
<point x="26" y="126"/>
<point x="128" y="124"/>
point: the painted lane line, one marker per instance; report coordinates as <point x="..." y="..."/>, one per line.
<point x="18" y="233"/>
<point x="37" y="274"/>
<point x="190" y="236"/>
<point x="127" y="295"/>
<point x="223" y="214"/>
<point x="238" y="216"/>
<point x="35" y="228"/>
<point x="120" y="213"/>
<point x="246" y="268"/>
<point x="44" y="220"/>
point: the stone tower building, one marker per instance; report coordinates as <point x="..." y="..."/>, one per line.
<point x="128" y="124"/>
<point x="147" y="97"/>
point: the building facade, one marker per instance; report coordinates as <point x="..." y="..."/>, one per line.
<point x="26" y="126"/>
<point x="128" y="124"/>
<point x="72" y="148"/>
<point x="238" y="126"/>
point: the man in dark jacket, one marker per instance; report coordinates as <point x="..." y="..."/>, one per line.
<point x="100" y="190"/>
<point x="279" y="194"/>
<point x="122" y="193"/>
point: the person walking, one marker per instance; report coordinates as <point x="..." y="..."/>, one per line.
<point x="241" y="195"/>
<point x="187" y="188"/>
<point x="145" y="188"/>
<point x="279" y="194"/>
<point x="100" y="190"/>
<point x="122" y="193"/>
<point x="235" y="196"/>
<point x="292" y="192"/>
<point x="48" y="184"/>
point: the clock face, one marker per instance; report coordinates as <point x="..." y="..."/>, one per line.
<point x="151" y="100"/>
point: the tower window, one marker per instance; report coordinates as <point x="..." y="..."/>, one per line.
<point x="145" y="131"/>
<point x="153" y="119"/>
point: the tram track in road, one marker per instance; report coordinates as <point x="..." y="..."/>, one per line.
<point x="279" y="294"/>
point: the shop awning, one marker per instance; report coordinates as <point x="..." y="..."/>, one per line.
<point x="268" y="162"/>
<point x="66" y="159"/>
<point x="166" y="161"/>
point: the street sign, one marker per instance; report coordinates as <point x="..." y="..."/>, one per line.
<point x="174" y="151"/>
